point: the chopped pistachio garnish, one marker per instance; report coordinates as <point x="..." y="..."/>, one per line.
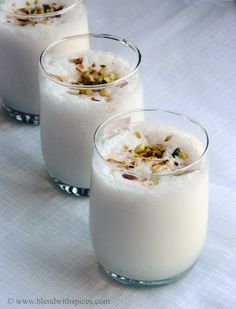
<point x="149" y="151"/>
<point x="140" y="148"/>
<point x="183" y="155"/>
<point x="33" y="8"/>
<point x="159" y="150"/>
<point x="137" y="134"/>
<point x="91" y="76"/>
<point x="178" y="153"/>
<point x="155" y="167"/>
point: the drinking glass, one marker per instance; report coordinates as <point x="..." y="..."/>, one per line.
<point x="70" y="111"/>
<point x="148" y="226"/>
<point x="24" y="33"/>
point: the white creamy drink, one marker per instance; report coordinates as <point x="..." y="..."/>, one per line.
<point x="26" y="29"/>
<point x="148" y="202"/>
<point x="70" y="114"/>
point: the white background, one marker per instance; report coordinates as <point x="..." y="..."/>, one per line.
<point x="189" y="65"/>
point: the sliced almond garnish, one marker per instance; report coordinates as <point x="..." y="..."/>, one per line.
<point x="78" y="60"/>
<point x="168" y="137"/>
<point x="129" y="177"/>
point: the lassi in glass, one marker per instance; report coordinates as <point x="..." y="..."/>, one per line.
<point x="26" y="29"/>
<point x="149" y="196"/>
<point x="84" y="80"/>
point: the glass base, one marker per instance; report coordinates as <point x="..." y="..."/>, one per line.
<point x="22" y="117"/>
<point x="70" y="189"/>
<point x="143" y="283"/>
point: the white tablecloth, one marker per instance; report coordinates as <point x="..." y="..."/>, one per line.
<point x="189" y="65"/>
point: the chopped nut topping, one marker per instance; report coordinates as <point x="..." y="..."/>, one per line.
<point x="183" y="155"/>
<point x="148" y="151"/>
<point x="140" y="148"/>
<point x="155" y="167"/>
<point x="159" y="150"/>
<point x="119" y="163"/>
<point x="178" y="153"/>
<point x="94" y="99"/>
<point x="90" y="76"/>
<point x="146" y="160"/>
<point x="93" y="76"/>
<point x="164" y="162"/>
<point x="33" y="8"/>
<point x="137" y="134"/>
<point x="76" y="60"/>
<point x="168" y="138"/>
<point x="132" y="165"/>
<point x="130" y="177"/>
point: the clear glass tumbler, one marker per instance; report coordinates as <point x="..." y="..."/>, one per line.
<point x="149" y="196"/>
<point x="84" y="80"/>
<point x="26" y="29"/>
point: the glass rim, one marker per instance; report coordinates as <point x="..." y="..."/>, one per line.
<point x="45" y="15"/>
<point x="169" y="173"/>
<point x="117" y="82"/>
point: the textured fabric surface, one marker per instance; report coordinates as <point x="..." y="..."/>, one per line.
<point x="189" y="61"/>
